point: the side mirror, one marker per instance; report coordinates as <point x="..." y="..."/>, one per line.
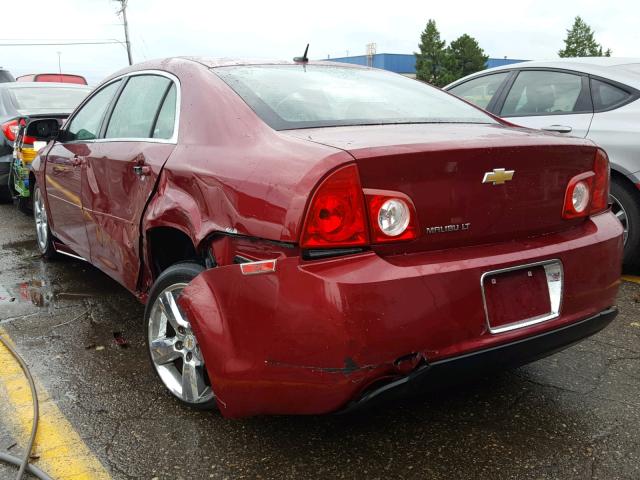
<point x="44" y="129"/>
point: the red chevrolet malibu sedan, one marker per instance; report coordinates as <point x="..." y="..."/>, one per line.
<point x="313" y="237"/>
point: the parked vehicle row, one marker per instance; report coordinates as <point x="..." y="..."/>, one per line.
<point x="312" y="237"/>
<point x="19" y="101"/>
<point x="594" y="98"/>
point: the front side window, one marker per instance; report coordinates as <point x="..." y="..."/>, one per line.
<point x="307" y="96"/>
<point x="480" y="91"/>
<point x="540" y="93"/>
<point x="606" y="95"/>
<point x="136" y="109"/>
<point x="85" y="125"/>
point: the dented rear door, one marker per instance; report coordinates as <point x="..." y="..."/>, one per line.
<point x="122" y="172"/>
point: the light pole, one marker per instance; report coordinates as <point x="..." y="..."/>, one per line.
<point x="125" y="24"/>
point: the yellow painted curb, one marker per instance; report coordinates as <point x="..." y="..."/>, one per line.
<point x="631" y="278"/>
<point x="62" y="453"/>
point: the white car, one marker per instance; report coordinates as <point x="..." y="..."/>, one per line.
<point x="595" y="97"/>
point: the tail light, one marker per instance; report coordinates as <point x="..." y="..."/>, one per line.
<point x="392" y="216"/>
<point x="336" y="216"/>
<point x="588" y="193"/>
<point x="600" y="195"/>
<point x="11" y="129"/>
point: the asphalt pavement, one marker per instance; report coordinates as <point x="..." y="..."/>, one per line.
<point x="575" y="415"/>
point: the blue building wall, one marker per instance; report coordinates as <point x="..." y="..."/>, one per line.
<point x="499" y="62"/>
<point x="406" y="63"/>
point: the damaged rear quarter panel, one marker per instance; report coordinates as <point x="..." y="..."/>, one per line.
<point x="238" y="172"/>
<point x="230" y="172"/>
<point x="266" y="353"/>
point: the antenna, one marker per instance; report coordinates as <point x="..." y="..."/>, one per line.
<point x="303" y="58"/>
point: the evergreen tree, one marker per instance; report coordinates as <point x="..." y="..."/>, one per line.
<point x="580" y="42"/>
<point x="464" y="57"/>
<point x="431" y="58"/>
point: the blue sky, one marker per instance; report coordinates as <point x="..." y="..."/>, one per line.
<point x="280" y="29"/>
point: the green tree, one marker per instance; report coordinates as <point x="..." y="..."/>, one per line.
<point x="431" y="58"/>
<point x="464" y="57"/>
<point x="581" y="42"/>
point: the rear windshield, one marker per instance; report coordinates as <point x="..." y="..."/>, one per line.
<point x="48" y="99"/>
<point x="298" y="96"/>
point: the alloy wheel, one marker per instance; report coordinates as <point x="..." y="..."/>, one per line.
<point x="175" y="352"/>
<point x="40" y="216"/>
<point x="621" y="214"/>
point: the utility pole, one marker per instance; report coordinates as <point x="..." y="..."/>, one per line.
<point x="123" y="11"/>
<point x="59" y="65"/>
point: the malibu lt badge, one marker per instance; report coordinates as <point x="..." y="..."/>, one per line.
<point x="456" y="227"/>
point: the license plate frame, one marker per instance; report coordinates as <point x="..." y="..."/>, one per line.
<point x="554" y="274"/>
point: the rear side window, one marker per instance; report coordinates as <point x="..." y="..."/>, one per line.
<point x="167" y="116"/>
<point x="543" y="93"/>
<point x="85" y="125"/>
<point x="606" y="96"/>
<point x="481" y="90"/>
<point x="136" y="109"/>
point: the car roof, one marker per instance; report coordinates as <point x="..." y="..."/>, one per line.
<point x="612" y="68"/>
<point x="164" y="64"/>
<point x="212" y="62"/>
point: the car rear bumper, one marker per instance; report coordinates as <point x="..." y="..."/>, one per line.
<point x="316" y="336"/>
<point x="451" y="370"/>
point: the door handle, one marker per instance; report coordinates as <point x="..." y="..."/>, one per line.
<point x="141" y="170"/>
<point x="558" y="128"/>
<point x="77" y="161"/>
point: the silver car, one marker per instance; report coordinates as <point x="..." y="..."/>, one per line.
<point x="596" y="98"/>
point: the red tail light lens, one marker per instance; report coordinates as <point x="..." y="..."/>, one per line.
<point x="392" y="216"/>
<point x="335" y="216"/>
<point x="600" y="195"/>
<point x="10" y="130"/>
<point x="588" y="193"/>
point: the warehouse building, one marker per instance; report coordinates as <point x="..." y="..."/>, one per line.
<point x="405" y="64"/>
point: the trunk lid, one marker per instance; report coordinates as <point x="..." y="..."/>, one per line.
<point x="441" y="167"/>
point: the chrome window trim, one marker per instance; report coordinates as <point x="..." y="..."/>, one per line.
<point x="555" y="296"/>
<point x="176" y="124"/>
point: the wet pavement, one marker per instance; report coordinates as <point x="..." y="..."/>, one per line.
<point x="575" y="415"/>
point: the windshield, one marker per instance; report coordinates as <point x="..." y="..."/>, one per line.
<point x="48" y="99"/>
<point x="298" y="96"/>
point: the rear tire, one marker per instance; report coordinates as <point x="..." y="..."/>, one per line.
<point x="6" y="190"/>
<point x="626" y="206"/>
<point x="5" y="194"/>
<point x="173" y="348"/>
<point x="25" y="205"/>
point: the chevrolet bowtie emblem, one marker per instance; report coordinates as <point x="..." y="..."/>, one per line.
<point x="498" y="176"/>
